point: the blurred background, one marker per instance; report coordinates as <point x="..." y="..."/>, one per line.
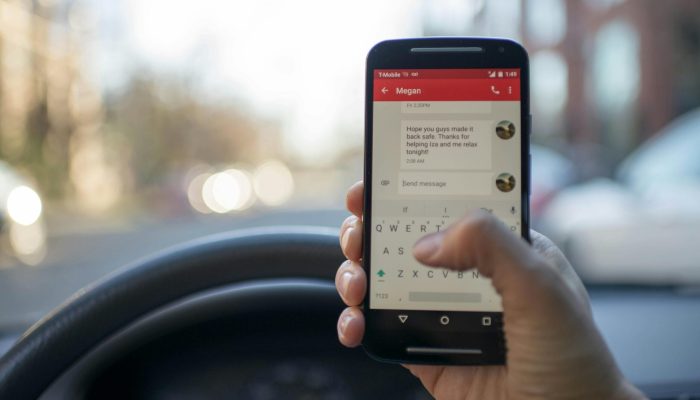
<point x="127" y="126"/>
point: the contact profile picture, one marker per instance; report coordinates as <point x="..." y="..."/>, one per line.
<point x="505" y="182"/>
<point x="505" y="129"/>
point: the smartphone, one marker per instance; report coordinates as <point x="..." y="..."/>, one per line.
<point x="446" y="131"/>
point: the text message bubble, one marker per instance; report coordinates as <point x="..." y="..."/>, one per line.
<point x="446" y="183"/>
<point x="446" y="144"/>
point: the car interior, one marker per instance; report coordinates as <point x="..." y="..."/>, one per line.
<point x="173" y="176"/>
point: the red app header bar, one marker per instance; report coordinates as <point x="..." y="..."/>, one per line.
<point x="447" y="85"/>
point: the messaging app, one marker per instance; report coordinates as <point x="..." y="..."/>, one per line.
<point x="445" y="141"/>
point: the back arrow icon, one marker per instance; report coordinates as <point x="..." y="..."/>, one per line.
<point x="403" y="318"/>
<point x="384" y="90"/>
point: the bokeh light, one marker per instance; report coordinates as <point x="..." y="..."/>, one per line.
<point x="24" y="205"/>
<point x="194" y="193"/>
<point x="28" y="242"/>
<point x="273" y="183"/>
<point x="227" y="191"/>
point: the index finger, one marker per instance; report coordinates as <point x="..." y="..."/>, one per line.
<point x="354" y="198"/>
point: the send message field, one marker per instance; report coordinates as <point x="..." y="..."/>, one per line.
<point x="445" y="183"/>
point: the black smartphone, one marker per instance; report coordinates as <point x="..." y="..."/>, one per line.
<point x="446" y="131"/>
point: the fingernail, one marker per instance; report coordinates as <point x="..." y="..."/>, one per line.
<point x="345" y="279"/>
<point x="346" y="237"/>
<point x="426" y="247"/>
<point x="345" y="321"/>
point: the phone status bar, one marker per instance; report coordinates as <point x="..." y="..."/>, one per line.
<point x="454" y="73"/>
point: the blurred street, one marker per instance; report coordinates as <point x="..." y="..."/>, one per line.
<point x="78" y="255"/>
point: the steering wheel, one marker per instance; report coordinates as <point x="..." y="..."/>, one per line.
<point x="252" y="271"/>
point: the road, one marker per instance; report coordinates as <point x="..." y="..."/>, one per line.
<point x="77" y="257"/>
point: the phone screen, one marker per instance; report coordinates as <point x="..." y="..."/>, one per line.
<point x="444" y="142"/>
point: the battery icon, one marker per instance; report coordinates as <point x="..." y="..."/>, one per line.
<point x="500" y="74"/>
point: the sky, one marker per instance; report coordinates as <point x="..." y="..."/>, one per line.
<point x="301" y="63"/>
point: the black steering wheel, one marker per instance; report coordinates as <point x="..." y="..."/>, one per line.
<point x="289" y="270"/>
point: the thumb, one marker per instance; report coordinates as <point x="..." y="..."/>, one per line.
<point x="480" y="241"/>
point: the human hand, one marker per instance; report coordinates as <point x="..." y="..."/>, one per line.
<point x="554" y="348"/>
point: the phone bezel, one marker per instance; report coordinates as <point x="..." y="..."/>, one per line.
<point x="381" y="340"/>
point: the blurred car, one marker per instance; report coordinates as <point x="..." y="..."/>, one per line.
<point x="644" y="226"/>
<point x="21" y="217"/>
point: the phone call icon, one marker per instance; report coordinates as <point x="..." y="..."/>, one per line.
<point x="494" y="90"/>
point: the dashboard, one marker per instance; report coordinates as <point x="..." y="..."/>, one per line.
<point x="654" y="334"/>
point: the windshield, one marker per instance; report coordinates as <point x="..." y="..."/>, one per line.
<point x="128" y="126"/>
